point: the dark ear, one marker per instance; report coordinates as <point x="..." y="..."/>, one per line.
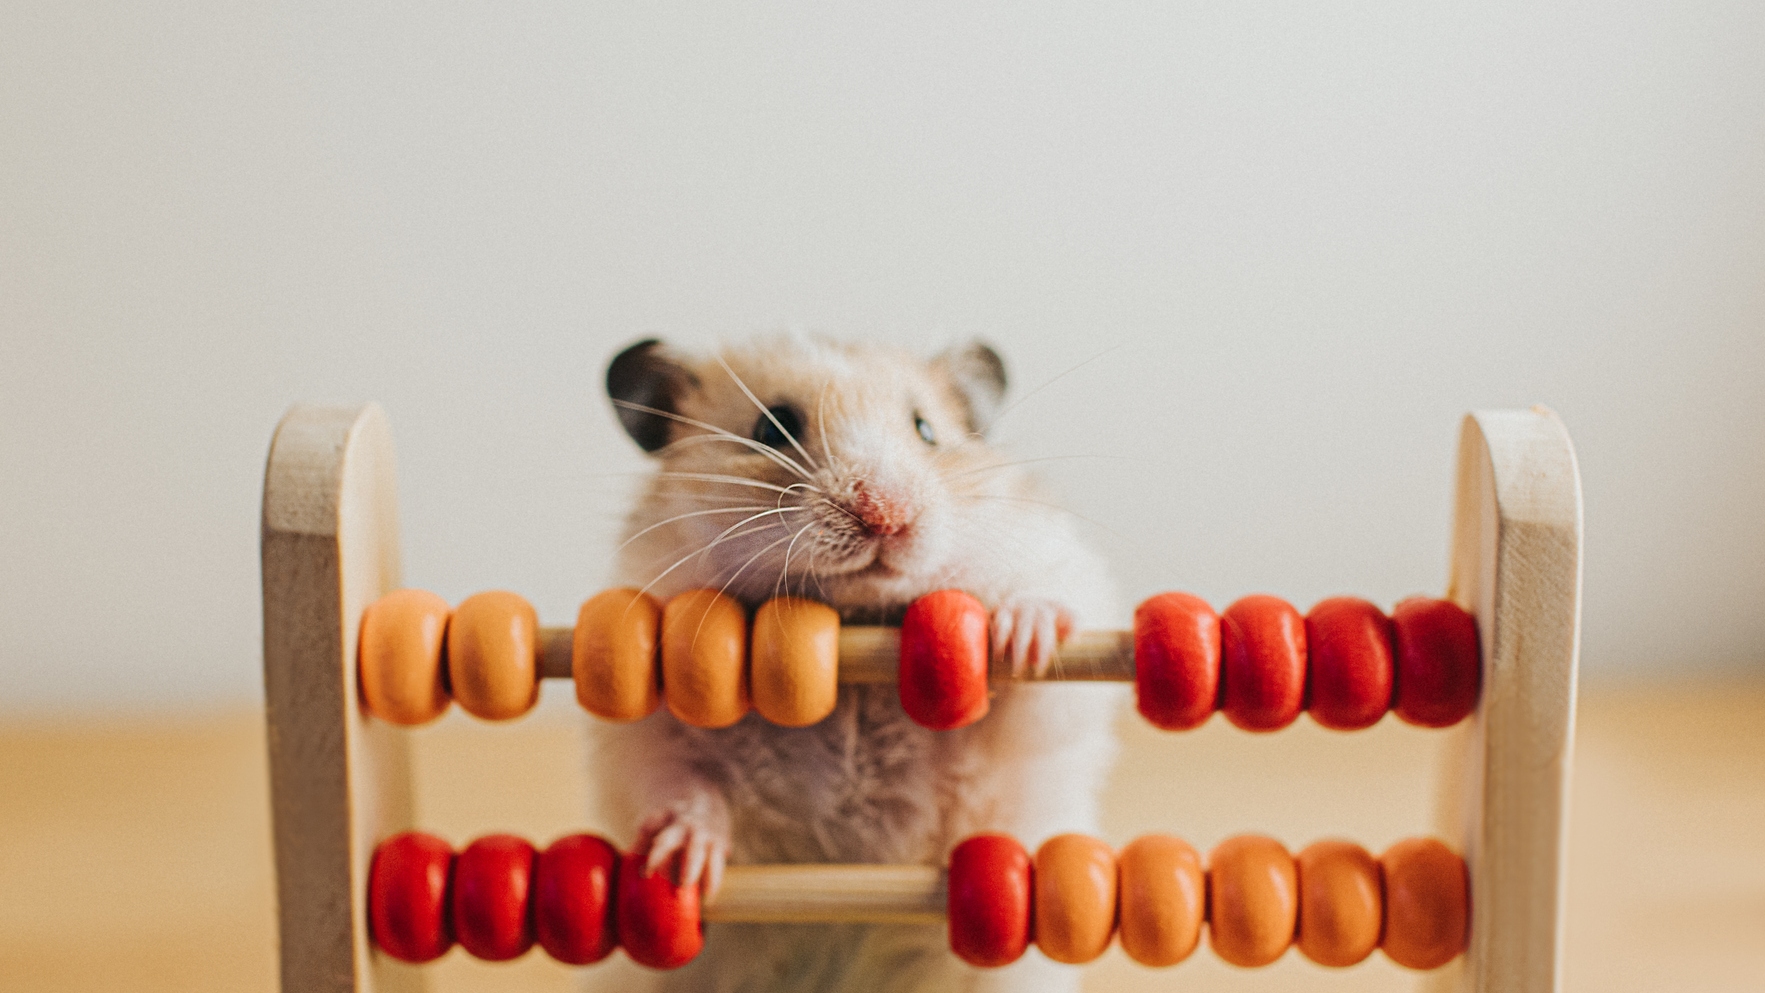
<point x="646" y="376"/>
<point x="977" y="374"/>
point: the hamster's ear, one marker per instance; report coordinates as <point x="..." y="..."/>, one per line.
<point x="645" y="383"/>
<point x="977" y="374"/>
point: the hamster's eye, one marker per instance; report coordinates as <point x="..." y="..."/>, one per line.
<point x="768" y="433"/>
<point x="924" y="427"/>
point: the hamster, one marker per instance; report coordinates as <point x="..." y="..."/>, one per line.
<point x="859" y="476"/>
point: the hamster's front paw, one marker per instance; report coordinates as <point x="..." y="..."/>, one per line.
<point x="690" y="841"/>
<point x="1026" y="632"/>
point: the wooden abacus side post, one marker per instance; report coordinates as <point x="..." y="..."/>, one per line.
<point x="1516" y="565"/>
<point x="338" y="782"/>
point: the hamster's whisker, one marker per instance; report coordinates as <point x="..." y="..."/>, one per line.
<point x="691" y="499"/>
<point x="707" y="614"/>
<point x="699" y="439"/>
<point x="768" y="412"/>
<point x="996" y="466"/>
<point x="682" y="517"/>
<point x="751" y="560"/>
<point x="776" y="511"/>
<point x="712" y="477"/>
<point x="689" y="556"/>
<point x="1013" y="405"/>
<point x="783" y="460"/>
<point x="785" y="569"/>
<point x="1042" y="503"/>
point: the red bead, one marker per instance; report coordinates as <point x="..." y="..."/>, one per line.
<point x="989" y="900"/>
<point x="407" y="897"/>
<point x="493" y="917"/>
<point x="1439" y="667"/>
<point x="1176" y="660"/>
<point x="1262" y="663"/>
<point x="1348" y="679"/>
<point x="943" y="676"/>
<point x="658" y="921"/>
<point x="573" y="886"/>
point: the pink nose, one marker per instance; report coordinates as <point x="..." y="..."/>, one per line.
<point x="880" y="511"/>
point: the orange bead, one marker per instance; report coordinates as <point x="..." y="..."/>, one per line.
<point x="1341" y="907"/>
<point x="613" y="654"/>
<point x="1427" y="903"/>
<point x="492" y="655"/>
<point x="399" y="657"/>
<point x="704" y="658"/>
<point x="1075" y="898"/>
<point x="1163" y="899"/>
<point x="1253" y="899"/>
<point x="795" y="662"/>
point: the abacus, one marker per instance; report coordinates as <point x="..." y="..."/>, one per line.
<point x="349" y="659"/>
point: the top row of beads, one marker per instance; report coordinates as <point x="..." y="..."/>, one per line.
<point x="1259" y="661"/>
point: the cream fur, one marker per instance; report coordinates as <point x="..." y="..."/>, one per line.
<point x="867" y="784"/>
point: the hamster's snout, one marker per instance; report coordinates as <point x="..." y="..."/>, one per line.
<point x="882" y="511"/>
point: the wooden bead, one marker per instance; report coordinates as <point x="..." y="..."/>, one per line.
<point x="407" y="897"/>
<point x="1439" y="666"/>
<point x="1341" y="907"/>
<point x="1075" y="880"/>
<point x="795" y="662"/>
<point x="1262" y="663"/>
<point x="1349" y="672"/>
<point x="943" y="673"/>
<point x="1253" y="900"/>
<point x="399" y="657"/>
<point x="989" y="893"/>
<point x="574" y="880"/>
<point x="1162" y="901"/>
<point x="492" y="655"/>
<point x="1176" y="660"/>
<point x="492" y="885"/>
<point x="1427" y="903"/>
<point x="658" y="921"/>
<point x="704" y="658"/>
<point x="613" y="654"/>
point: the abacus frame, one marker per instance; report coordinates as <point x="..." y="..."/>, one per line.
<point x="341" y="781"/>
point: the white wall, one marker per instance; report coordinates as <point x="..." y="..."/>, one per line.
<point x="1296" y="241"/>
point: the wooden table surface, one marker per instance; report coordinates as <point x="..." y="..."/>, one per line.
<point x="134" y="852"/>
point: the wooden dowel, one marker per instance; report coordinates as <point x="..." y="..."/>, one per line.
<point x="830" y="894"/>
<point x="872" y="655"/>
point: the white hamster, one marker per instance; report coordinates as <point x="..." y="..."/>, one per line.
<point x="859" y="476"/>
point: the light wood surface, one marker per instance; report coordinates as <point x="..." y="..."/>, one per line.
<point x="1516" y="566"/>
<point x="338" y="782"/>
<point x="135" y="854"/>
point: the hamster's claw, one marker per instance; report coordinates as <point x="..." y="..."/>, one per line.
<point x="693" y="851"/>
<point x="1026" y="633"/>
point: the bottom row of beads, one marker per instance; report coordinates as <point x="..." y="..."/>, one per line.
<point x="580" y="898"/>
<point x="1334" y="900"/>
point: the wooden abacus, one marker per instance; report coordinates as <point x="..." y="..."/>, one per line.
<point x="340" y="776"/>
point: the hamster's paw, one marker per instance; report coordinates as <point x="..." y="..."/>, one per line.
<point x="1026" y="632"/>
<point x="690" y="843"/>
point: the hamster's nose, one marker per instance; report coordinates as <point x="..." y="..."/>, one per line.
<point x="881" y="511"/>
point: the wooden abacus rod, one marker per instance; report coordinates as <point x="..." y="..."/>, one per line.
<point x="872" y="655"/>
<point x="830" y="894"/>
<point x="580" y="898"/>
<point x="1260" y="661"/>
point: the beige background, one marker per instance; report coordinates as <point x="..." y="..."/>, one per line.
<point x="1280" y="247"/>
